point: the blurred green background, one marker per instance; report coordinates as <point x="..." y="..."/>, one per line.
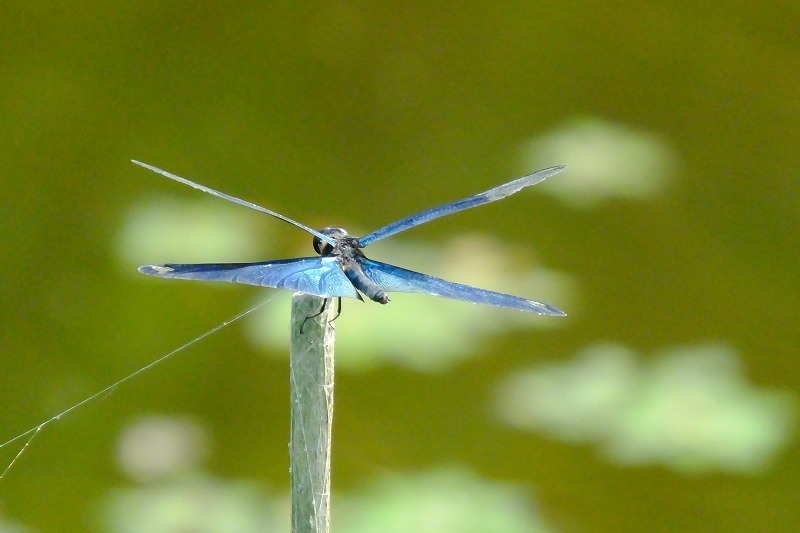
<point x="665" y="401"/>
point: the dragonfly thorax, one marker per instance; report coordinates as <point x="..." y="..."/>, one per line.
<point x="345" y="243"/>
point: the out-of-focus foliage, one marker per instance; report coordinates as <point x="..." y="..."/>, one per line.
<point x="180" y="496"/>
<point x="674" y="225"/>
<point x="442" y="500"/>
<point x="689" y="409"/>
<point x="606" y="161"/>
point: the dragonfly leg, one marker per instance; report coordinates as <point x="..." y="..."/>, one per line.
<point x="338" y="309"/>
<point x="322" y="310"/>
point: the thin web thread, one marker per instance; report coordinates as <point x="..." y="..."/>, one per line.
<point x="36" y="429"/>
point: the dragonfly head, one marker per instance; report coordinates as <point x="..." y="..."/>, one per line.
<point x="322" y="247"/>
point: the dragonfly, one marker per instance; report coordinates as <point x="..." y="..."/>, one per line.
<point x="342" y="270"/>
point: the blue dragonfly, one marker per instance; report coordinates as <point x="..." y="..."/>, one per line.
<point x="342" y="269"/>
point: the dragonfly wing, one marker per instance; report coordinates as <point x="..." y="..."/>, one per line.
<point x="235" y="200"/>
<point x="319" y="276"/>
<point x="496" y="193"/>
<point x="396" y="279"/>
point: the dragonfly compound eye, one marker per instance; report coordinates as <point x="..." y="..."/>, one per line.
<point x="322" y="247"/>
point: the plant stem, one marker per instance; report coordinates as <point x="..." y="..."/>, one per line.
<point x="311" y="375"/>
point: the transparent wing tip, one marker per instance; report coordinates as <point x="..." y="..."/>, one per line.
<point x="550" y="171"/>
<point x="156" y="270"/>
<point x="549" y="310"/>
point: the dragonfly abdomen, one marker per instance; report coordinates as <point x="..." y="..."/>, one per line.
<point x="361" y="282"/>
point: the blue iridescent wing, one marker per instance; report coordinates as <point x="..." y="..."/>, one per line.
<point x="319" y="276"/>
<point x="395" y="279"/>
<point x="497" y="193"/>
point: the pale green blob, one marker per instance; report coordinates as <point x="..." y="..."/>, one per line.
<point x="193" y="502"/>
<point x="189" y="231"/>
<point x="442" y="500"/>
<point x="606" y="161"/>
<point x="7" y="526"/>
<point x="689" y="409"/>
